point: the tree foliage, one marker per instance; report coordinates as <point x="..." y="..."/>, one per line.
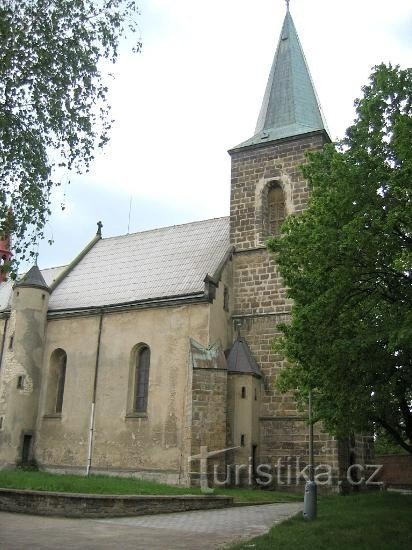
<point x="347" y="261"/>
<point x="53" y="99"/>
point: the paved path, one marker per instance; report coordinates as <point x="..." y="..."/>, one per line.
<point x="206" y="530"/>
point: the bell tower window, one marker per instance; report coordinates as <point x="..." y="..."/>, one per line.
<point x="276" y="209"/>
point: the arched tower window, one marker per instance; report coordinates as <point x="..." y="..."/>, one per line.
<point x="141" y="379"/>
<point x="56" y="383"/>
<point x="276" y="209"/>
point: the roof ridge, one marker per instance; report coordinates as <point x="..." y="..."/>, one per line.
<point x="53" y="267"/>
<point x="164" y="227"/>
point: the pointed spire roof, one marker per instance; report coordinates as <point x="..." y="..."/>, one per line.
<point x="290" y="106"/>
<point x="33" y="278"/>
<point x="241" y="361"/>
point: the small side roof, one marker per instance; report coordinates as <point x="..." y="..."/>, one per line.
<point x="241" y="361"/>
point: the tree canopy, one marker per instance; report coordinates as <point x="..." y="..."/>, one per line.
<point x="53" y="99"/>
<point x="347" y="262"/>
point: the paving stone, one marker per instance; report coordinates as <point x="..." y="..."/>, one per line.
<point x="200" y="530"/>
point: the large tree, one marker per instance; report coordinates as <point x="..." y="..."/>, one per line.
<point x="347" y="261"/>
<point x="53" y="99"/>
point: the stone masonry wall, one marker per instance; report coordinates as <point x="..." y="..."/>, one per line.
<point x="252" y="170"/>
<point x="45" y="503"/>
<point x="396" y="471"/>
<point x="209" y="414"/>
<point x="259" y="297"/>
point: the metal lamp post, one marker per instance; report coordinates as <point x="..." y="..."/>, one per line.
<point x="310" y="499"/>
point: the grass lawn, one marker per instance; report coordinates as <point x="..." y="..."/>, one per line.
<point x="372" y="521"/>
<point x="110" y="485"/>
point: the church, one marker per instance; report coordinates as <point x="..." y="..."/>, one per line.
<point x="149" y="346"/>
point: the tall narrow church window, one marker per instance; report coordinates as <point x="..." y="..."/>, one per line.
<point x="142" y="379"/>
<point x="276" y="210"/>
<point x="56" y="382"/>
<point x="60" y="383"/>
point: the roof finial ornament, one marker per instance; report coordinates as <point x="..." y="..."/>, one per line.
<point x="99" y="229"/>
<point x="287" y="4"/>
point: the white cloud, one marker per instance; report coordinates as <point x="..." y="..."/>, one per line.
<point x="196" y="88"/>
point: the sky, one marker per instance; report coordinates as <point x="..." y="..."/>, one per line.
<point x="195" y="91"/>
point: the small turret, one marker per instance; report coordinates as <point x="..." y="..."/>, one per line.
<point x="22" y="368"/>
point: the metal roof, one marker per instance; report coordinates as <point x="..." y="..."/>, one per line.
<point x="240" y="359"/>
<point x="161" y="263"/>
<point x="290" y="106"/>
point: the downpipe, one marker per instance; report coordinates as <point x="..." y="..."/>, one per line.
<point x="93" y="404"/>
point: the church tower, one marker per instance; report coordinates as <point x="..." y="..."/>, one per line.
<point x="266" y="186"/>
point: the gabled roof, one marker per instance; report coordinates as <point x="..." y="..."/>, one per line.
<point x="290" y="105"/>
<point x="241" y="361"/>
<point x="157" y="264"/>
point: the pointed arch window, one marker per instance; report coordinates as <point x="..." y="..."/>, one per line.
<point x="141" y="386"/>
<point x="276" y="209"/>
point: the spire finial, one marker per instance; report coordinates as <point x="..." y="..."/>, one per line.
<point x="99" y="229"/>
<point x="287" y="4"/>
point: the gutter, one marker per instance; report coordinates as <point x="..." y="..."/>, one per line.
<point x="197" y="297"/>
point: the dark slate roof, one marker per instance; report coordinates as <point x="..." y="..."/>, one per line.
<point x="158" y="264"/>
<point x="240" y="359"/>
<point x="290" y="106"/>
<point x="6" y="288"/>
<point x="33" y="278"/>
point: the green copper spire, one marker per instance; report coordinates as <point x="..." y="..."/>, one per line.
<point x="290" y="106"/>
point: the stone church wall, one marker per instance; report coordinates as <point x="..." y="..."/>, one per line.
<point x="151" y="444"/>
